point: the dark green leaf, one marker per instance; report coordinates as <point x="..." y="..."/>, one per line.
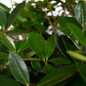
<point x="36" y="65"/>
<point x="58" y="76"/>
<point x="7" y="81"/>
<point x="82" y="70"/>
<point x="49" y="46"/>
<point x="4" y="7"/>
<point x="3" y="55"/>
<point x="3" y="18"/>
<point x="77" y="33"/>
<point x="48" y="68"/>
<point x="60" y="61"/>
<point x="63" y="20"/>
<point x="64" y="43"/>
<point x="15" y="13"/>
<point x="37" y="43"/>
<point x="80" y="12"/>
<point x="18" y="68"/>
<point x="7" y="42"/>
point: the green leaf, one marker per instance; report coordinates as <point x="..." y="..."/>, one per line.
<point x="7" y="42"/>
<point x="63" y="20"/>
<point x="77" y="81"/>
<point x="82" y="70"/>
<point x="49" y="46"/>
<point x="48" y="68"/>
<point x="76" y="55"/>
<point x="3" y="55"/>
<point x="7" y="81"/>
<point x="15" y="13"/>
<point x="25" y="44"/>
<point x="37" y="43"/>
<point x="4" y="7"/>
<point x="3" y="18"/>
<point x="33" y="59"/>
<point x="77" y="33"/>
<point x="80" y="12"/>
<point x="64" y="43"/>
<point x="58" y="76"/>
<point x="59" y="61"/>
<point x="18" y="68"/>
<point x="36" y="65"/>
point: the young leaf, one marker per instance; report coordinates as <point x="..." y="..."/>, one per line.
<point x="80" y="12"/>
<point x="49" y="47"/>
<point x="58" y="76"/>
<point x="77" y="33"/>
<point x="7" y="42"/>
<point x="59" y="61"/>
<point x="15" y="13"/>
<point x="3" y="18"/>
<point x="76" y="55"/>
<point x="7" y="81"/>
<point x="37" y="43"/>
<point x="82" y="70"/>
<point x="18" y="68"/>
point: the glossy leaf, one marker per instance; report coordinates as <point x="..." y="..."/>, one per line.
<point x="82" y="70"/>
<point x="80" y="12"/>
<point x="49" y="46"/>
<point x="37" y="43"/>
<point x="77" y="33"/>
<point x="7" y="81"/>
<point x="18" y="68"/>
<point x="25" y="44"/>
<point x="63" y="20"/>
<point x="57" y="76"/>
<point x="3" y="18"/>
<point x="64" y="43"/>
<point x="59" y="61"/>
<point x="36" y="65"/>
<point x="7" y="42"/>
<point x="76" y="55"/>
<point x="15" y="13"/>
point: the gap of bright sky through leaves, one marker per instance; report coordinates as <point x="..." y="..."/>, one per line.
<point x="8" y="3"/>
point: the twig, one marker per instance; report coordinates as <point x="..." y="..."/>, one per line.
<point x="52" y="13"/>
<point x="49" y="19"/>
<point x="11" y="3"/>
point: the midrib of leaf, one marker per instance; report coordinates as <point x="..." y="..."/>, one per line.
<point x="60" y="79"/>
<point x="19" y="70"/>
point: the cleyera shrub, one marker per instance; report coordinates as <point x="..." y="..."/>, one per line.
<point x="39" y="48"/>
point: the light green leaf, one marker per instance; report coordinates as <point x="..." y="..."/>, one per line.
<point x="18" y="68"/>
<point x="76" y="55"/>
